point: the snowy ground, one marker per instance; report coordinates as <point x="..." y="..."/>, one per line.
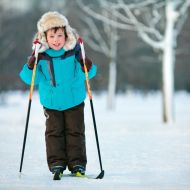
<point x="138" y="151"/>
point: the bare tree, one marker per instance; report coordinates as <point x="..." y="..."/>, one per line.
<point x="105" y="43"/>
<point x="158" y="23"/>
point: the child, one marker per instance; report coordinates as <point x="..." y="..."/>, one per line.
<point x="61" y="81"/>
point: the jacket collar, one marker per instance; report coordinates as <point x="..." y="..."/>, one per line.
<point x="55" y="53"/>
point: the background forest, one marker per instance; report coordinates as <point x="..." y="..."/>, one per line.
<point x="138" y="65"/>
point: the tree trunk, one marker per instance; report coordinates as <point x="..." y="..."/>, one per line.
<point x="112" y="69"/>
<point x="168" y="64"/>
<point x="112" y="85"/>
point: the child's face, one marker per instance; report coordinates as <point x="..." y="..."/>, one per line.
<point x="56" y="40"/>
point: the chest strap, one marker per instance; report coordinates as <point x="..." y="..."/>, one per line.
<point x="45" y="56"/>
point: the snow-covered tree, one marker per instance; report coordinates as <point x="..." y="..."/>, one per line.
<point x="158" y="23"/>
<point x="105" y="43"/>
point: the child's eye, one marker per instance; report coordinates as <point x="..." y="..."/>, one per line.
<point x="51" y="36"/>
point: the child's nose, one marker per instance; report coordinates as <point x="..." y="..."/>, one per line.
<point x="55" y="39"/>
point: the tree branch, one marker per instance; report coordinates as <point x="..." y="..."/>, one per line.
<point x="101" y="46"/>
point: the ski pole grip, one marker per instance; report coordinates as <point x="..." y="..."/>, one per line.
<point x="82" y="49"/>
<point x="37" y="47"/>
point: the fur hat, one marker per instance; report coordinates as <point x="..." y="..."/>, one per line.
<point x="54" y="19"/>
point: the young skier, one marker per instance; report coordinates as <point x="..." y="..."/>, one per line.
<point x="61" y="83"/>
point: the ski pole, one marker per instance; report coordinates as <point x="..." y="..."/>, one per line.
<point x="37" y="46"/>
<point x="101" y="175"/>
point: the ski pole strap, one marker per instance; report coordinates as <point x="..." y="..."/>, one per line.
<point x="37" y="46"/>
<point x="85" y="69"/>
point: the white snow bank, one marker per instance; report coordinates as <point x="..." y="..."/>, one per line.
<point x="138" y="150"/>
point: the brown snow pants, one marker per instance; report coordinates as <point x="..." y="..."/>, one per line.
<point x="65" y="137"/>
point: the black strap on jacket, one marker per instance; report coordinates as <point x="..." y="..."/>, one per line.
<point x="49" y="59"/>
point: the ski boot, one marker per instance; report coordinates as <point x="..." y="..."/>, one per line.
<point x="57" y="172"/>
<point x="78" y="171"/>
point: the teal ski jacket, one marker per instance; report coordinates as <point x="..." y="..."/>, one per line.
<point x="69" y="90"/>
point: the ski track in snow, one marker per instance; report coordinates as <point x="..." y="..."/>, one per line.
<point x="138" y="151"/>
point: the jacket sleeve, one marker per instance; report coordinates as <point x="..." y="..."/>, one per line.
<point x="92" y="71"/>
<point x="26" y="75"/>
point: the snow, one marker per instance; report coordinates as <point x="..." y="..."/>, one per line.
<point x="138" y="151"/>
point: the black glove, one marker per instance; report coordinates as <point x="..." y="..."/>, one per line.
<point x="31" y="61"/>
<point x="32" y="58"/>
<point x="88" y="64"/>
